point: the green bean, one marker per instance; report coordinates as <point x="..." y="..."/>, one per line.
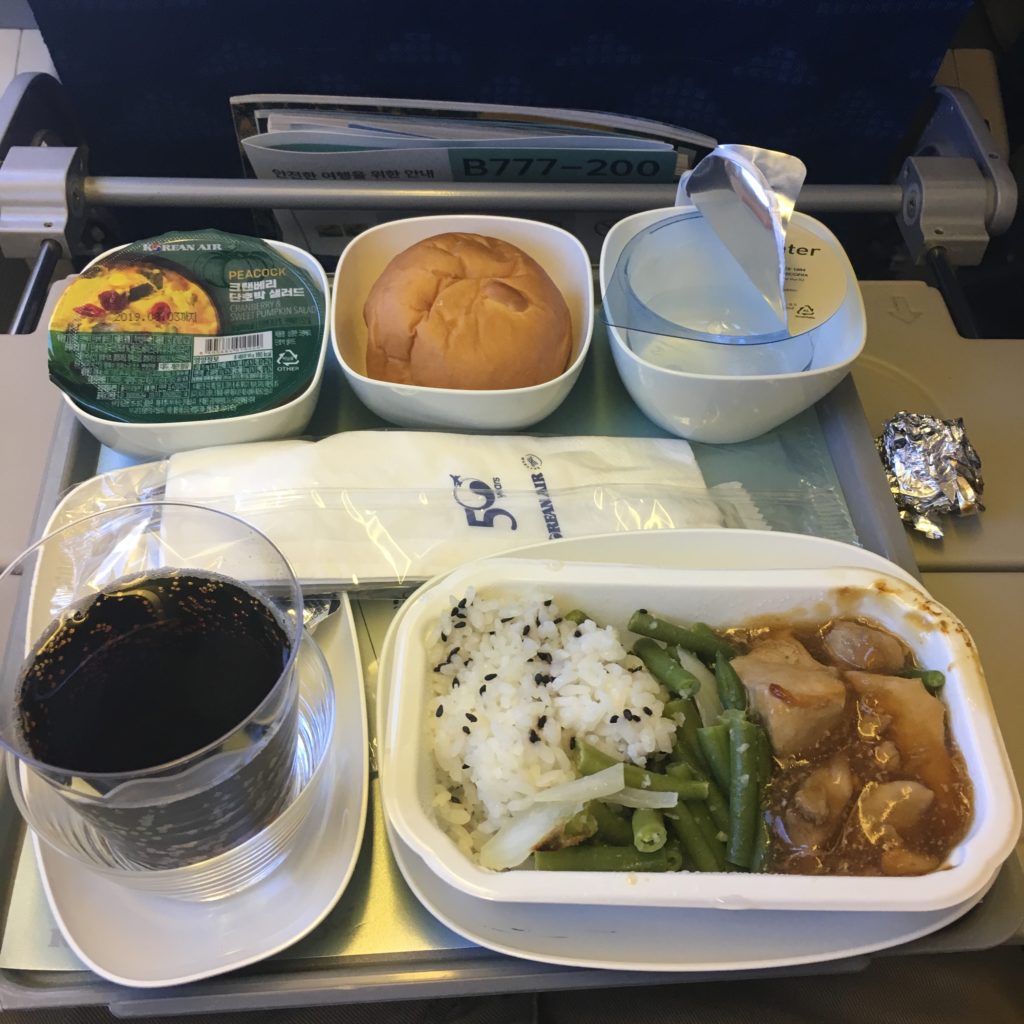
<point x="932" y="678"/>
<point x="712" y="834"/>
<point x="665" y="668"/>
<point x="590" y="760"/>
<point x="649" y="834"/>
<point x="699" y="638"/>
<point x="583" y="824"/>
<point x="686" y="741"/>
<point x="714" y="742"/>
<point x="611" y="827"/>
<point x="697" y="848"/>
<point x="744" y="799"/>
<point x="716" y="802"/>
<point x="608" y="858"/>
<point x="673" y="707"/>
<point x="731" y="691"/>
<point x="759" y="858"/>
<point x="577" y="616"/>
<point x="764" y="761"/>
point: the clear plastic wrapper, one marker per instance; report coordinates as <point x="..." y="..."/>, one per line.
<point x="368" y="510"/>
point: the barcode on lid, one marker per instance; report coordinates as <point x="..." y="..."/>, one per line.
<point x="232" y="343"/>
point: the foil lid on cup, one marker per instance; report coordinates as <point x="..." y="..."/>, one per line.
<point x="747" y="195"/>
<point x="932" y="468"/>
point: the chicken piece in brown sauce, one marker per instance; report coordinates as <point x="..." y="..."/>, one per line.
<point x="798" y="700"/>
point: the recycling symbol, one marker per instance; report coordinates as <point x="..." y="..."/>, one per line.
<point x="805" y="310"/>
<point x="287" y="358"/>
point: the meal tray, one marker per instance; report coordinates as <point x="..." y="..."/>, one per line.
<point x="380" y="944"/>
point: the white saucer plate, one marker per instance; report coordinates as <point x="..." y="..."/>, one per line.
<point x="656" y="939"/>
<point x="134" y="938"/>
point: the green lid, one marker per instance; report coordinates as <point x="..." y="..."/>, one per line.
<point x="188" y="326"/>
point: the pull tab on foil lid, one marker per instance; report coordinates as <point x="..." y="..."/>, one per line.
<point x="747" y="195"/>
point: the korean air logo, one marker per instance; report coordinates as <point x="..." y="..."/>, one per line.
<point x="478" y="501"/>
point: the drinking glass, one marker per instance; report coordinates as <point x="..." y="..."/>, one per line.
<point x="203" y="801"/>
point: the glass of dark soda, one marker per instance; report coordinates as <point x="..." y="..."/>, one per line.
<point x="148" y="678"/>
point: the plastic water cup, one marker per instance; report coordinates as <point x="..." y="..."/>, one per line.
<point x="684" y="303"/>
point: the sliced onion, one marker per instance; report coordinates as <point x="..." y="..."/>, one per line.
<point x="518" y="837"/>
<point x="706" y="698"/>
<point x="589" y="787"/>
<point x="652" y="798"/>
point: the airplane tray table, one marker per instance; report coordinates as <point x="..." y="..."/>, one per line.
<point x="380" y="943"/>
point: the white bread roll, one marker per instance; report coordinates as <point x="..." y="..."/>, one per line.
<point x="466" y="311"/>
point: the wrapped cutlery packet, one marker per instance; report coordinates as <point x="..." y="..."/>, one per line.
<point x="366" y="509"/>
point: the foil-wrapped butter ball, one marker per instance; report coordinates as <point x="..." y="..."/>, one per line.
<point x="932" y="468"/>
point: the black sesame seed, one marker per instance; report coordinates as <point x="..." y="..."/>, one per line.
<point x="460" y="624"/>
<point x="465" y="729"/>
<point x="526" y="629"/>
<point x="440" y="711"/>
<point x="491" y="632"/>
<point x="544" y="656"/>
<point x="542" y="721"/>
<point x="490" y="676"/>
<point x="455" y="682"/>
<point x="455" y="610"/>
<point x="539" y="678"/>
<point x="465" y="766"/>
<point x="647" y="710"/>
<point x="456" y="800"/>
<point x="483" y="689"/>
<point x="462" y="603"/>
<point x="547" y="603"/>
<point x="534" y="738"/>
<point x="626" y="715"/>
<point x="444" y="638"/>
<point x="440" y="665"/>
<point x="572" y="742"/>
<point x="613" y="719"/>
<point x="558" y="620"/>
<point x="537" y="620"/>
<point x="509" y="619"/>
<point x="576" y="633"/>
<point x="471" y="716"/>
<point x="641" y="611"/>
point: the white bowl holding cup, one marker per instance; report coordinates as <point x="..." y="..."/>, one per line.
<point x="728" y="407"/>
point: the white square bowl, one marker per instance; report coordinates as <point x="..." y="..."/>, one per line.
<point x="364" y="259"/>
<point x="722" y="598"/>
<point x="147" y="440"/>
<point x="725" y="409"/>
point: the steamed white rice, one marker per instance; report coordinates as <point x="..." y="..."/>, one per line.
<point x="514" y="685"/>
